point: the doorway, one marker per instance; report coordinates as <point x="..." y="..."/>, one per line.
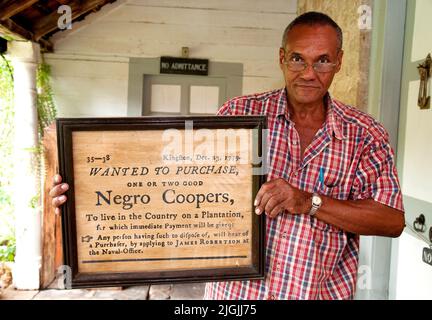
<point x="156" y="94"/>
<point x="170" y="95"/>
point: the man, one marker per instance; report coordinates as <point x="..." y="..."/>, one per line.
<point x="332" y="175"/>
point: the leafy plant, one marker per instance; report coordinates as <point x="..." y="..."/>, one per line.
<point x="6" y="147"/>
<point x="46" y="115"/>
<point x="47" y="111"/>
<point x="7" y="250"/>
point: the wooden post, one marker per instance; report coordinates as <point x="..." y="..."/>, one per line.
<point x="52" y="253"/>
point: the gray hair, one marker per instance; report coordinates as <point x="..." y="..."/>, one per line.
<point x="313" y="18"/>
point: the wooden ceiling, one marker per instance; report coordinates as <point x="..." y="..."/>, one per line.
<point x="37" y="20"/>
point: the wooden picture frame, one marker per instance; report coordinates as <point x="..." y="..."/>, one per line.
<point x="141" y="211"/>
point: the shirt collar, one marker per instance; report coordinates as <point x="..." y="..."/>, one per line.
<point x="282" y="106"/>
<point x="333" y="123"/>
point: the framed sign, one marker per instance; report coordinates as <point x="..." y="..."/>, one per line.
<point x="155" y="200"/>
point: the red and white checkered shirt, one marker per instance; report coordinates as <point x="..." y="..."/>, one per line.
<point x="307" y="258"/>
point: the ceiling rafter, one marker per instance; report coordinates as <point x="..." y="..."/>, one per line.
<point x="37" y="20"/>
<point x="49" y="23"/>
<point x="14" y="30"/>
<point x="9" y="8"/>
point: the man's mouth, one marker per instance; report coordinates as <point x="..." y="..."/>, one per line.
<point x="306" y="86"/>
<point x="306" y="89"/>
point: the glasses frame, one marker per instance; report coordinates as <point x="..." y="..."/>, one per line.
<point x="306" y="65"/>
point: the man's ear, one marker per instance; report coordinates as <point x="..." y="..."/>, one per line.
<point x="339" y="60"/>
<point x="281" y="56"/>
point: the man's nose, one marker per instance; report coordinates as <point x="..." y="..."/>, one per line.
<point x="308" y="73"/>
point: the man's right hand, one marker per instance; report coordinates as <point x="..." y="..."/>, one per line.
<point x="56" y="193"/>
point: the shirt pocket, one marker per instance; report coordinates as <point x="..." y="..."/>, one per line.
<point x="339" y="192"/>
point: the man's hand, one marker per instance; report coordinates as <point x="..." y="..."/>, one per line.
<point x="56" y="193"/>
<point x="277" y="196"/>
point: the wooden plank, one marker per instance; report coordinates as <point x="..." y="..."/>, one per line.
<point x="286" y="6"/>
<point x="138" y="34"/>
<point x="200" y="17"/>
<point x="50" y="233"/>
<point x="89" y="69"/>
<point x="46" y="45"/>
<point x="89" y="97"/>
<point x="49" y="23"/>
<point x="264" y="63"/>
<point x="11" y="29"/>
<point x="123" y="47"/>
<point x="10" y="8"/>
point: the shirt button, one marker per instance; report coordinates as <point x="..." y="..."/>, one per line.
<point x="272" y="297"/>
<point x="294" y="143"/>
<point x="284" y="235"/>
<point x="295" y="174"/>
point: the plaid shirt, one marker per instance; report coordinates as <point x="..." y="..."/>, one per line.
<point x="307" y="258"/>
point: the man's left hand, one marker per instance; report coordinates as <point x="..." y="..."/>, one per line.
<point x="277" y="196"/>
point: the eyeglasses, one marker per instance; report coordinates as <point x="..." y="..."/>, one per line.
<point x="298" y="66"/>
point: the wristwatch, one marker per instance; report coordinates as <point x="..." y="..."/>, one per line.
<point x="316" y="204"/>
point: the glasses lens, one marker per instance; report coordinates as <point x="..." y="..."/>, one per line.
<point x="324" y="67"/>
<point x="296" y="65"/>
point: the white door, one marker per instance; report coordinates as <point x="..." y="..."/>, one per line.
<point x="183" y="95"/>
<point x="410" y="277"/>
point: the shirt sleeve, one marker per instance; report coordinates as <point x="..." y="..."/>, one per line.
<point x="225" y="110"/>
<point x="376" y="176"/>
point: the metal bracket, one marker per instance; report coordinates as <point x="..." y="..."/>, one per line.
<point x="424" y="69"/>
<point x="419" y="223"/>
<point x="430" y="235"/>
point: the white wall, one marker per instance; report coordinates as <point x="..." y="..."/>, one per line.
<point x="414" y="277"/>
<point x="416" y="129"/>
<point x="90" y="63"/>
<point x="411" y="278"/>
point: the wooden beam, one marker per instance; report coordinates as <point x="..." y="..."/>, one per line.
<point x="46" y="45"/>
<point x="10" y="29"/>
<point x="49" y="23"/>
<point x="13" y="30"/>
<point x="9" y="8"/>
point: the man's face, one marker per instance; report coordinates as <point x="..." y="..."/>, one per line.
<point x="311" y="44"/>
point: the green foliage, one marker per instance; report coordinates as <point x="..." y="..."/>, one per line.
<point x="45" y="102"/>
<point x="6" y="148"/>
<point x="34" y="201"/>
<point x="46" y="115"/>
<point x="7" y="250"/>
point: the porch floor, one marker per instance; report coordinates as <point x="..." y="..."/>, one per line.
<point x="194" y="291"/>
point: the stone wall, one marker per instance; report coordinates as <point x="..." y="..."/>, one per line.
<point x="351" y="83"/>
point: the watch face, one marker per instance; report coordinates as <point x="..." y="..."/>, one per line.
<point x="316" y="200"/>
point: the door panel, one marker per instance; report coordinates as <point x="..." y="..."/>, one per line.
<point x="182" y="94"/>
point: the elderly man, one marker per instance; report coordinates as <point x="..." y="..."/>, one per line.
<point x="332" y="175"/>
